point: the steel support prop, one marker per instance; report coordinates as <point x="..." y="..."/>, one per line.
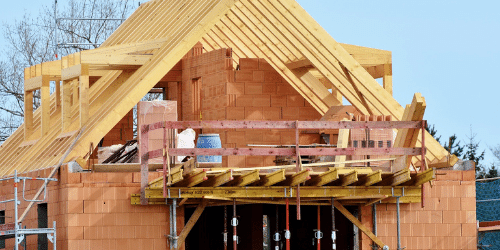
<point x="298" y="163"/>
<point x="287" y="231"/>
<point x="318" y="234"/>
<point x="17" y="237"/>
<point x="174" y="227"/>
<point x="234" y="223"/>
<point x="398" y="222"/>
<point x="225" y="228"/>
<point x="334" y="231"/>
<point x="374" y="213"/>
<point x="277" y="236"/>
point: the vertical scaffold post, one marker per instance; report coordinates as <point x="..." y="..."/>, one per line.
<point x="374" y="212"/>
<point x="16" y="226"/>
<point x="334" y="231"/>
<point x="225" y="228"/>
<point x="174" y="227"/>
<point x="287" y="231"/>
<point x="318" y="234"/>
<point x="234" y="223"/>
<point x="398" y="223"/>
<point x="298" y="164"/>
<point x="277" y="236"/>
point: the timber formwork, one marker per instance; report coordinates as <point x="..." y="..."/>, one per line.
<point x="307" y="185"/>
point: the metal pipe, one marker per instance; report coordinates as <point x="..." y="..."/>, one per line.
<point x="235" y="223"/>
<point x="374" y="211"/>
<point x="174" y="211"/>
<point x="287" y="231"/>
<point x="225" y="228"/>
<point x="91" y="19"/>
<point x="334" y="231"/>
<point x="170" y="224"/>
<point x="16" y="226"/>
<point x="318" y="236"/>
<point x="277" y="237"/>
<point x="298" y="163"/>
<point x="398" y="222"/>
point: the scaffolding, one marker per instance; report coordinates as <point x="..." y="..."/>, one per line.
<point x="15" y="230"/>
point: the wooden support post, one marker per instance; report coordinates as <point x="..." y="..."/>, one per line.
<point x="66" y="105"/>
<point x="84" y="99"/>
<point x="28" y="114"/>
<point x="387" y="79"/>
<point x="343" y="142"/>
<point x="45" y="104"/>
<point x="358" y="223"/>
<point x="190" y="224"/>
<point x="58" y="94"/>
<point x="144" y="158"/>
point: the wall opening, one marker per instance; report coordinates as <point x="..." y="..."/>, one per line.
<point x="257" y="226"/>
<point x="43" y="220"/>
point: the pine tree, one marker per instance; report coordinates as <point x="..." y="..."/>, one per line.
<point x="472" y="153"/>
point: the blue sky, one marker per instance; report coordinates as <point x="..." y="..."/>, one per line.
<point x="446" y="50"/>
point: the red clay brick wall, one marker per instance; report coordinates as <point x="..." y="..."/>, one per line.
<point x="122" y="132"/>
<point x="448" y="220"/>
<point x="93" y="211"/>
<point x="254" y="92"/>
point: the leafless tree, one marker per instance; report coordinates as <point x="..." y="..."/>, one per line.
<point x="31" y="40"/>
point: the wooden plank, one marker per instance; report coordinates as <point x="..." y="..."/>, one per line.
<point x="74" y="72"/>
<point x="299" y="64"/>
<point x="279" y="191"/>
<point x="422" y="178"/>
<point x="66" y="105"/>
<point x="358" y="223"/>
<point x="376" y="200"/>
<point x="191" y="222"/>
<point x="219" y="179"/>
<point x="348" y="179"/>
<point x="193" y="179"/>
<point x="272" y="178"/>
<point x="397" y="178"/>
<point x="114" y="59"/>
<point x="28" y="114"/>
<point x="297" y="178"/>
<point x="368" y="56"/>
<point x="45" y="106"/>
<point x="324" y="178"/>
<point x="343" y="142"/>
<point x="371" y="179"/>
<point x="35" y="83"/>
<point x="387" y="80"/>
<point x="245" y="179"/>
<point x="84" y="99"/>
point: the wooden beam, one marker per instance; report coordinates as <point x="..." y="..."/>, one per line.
<point x="190" y="224"/>
<point x="35" y="83"/>
<point x="415" y="112"/>
<point x="371" y="179"/>
<point x="342" y="142"/>
<point x="358" y="223"/>
<point x="28" y="114"/>
<point x="245" y="179"/>
<point x="422" y="178"/>
<point x="397" y="178"/>
<point x="387" y="80"/>
<point x="45" y="105"/>
<point x="84" y="99"/>
<point x="66" y="105"/>
<point x="272" y="178"/>
<point x="348" y="179"/>
<point x="297" y="178"/>
<point x="219" y="179"/>
<point x="74" y="72"/>
<point x="278" y="191"/>
<point x="324" y="178"/>
<point x="301" y="63"/>
<point x="376" y="200"/>
<point x="368" y="56"/>
<point x="192" y="179"/>
<point x="114" y="59"/>
<point x="398" y="164"/>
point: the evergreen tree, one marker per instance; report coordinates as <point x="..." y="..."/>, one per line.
<point x="472" y="153"/>
<point x="433" y="131"/>
<point x="492" y="172"/>
<point x="453" y="146"/>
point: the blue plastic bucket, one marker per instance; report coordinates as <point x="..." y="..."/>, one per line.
<point x="209" y="141"/>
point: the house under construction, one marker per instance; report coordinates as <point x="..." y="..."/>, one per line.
<point x="299" y="169"/>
